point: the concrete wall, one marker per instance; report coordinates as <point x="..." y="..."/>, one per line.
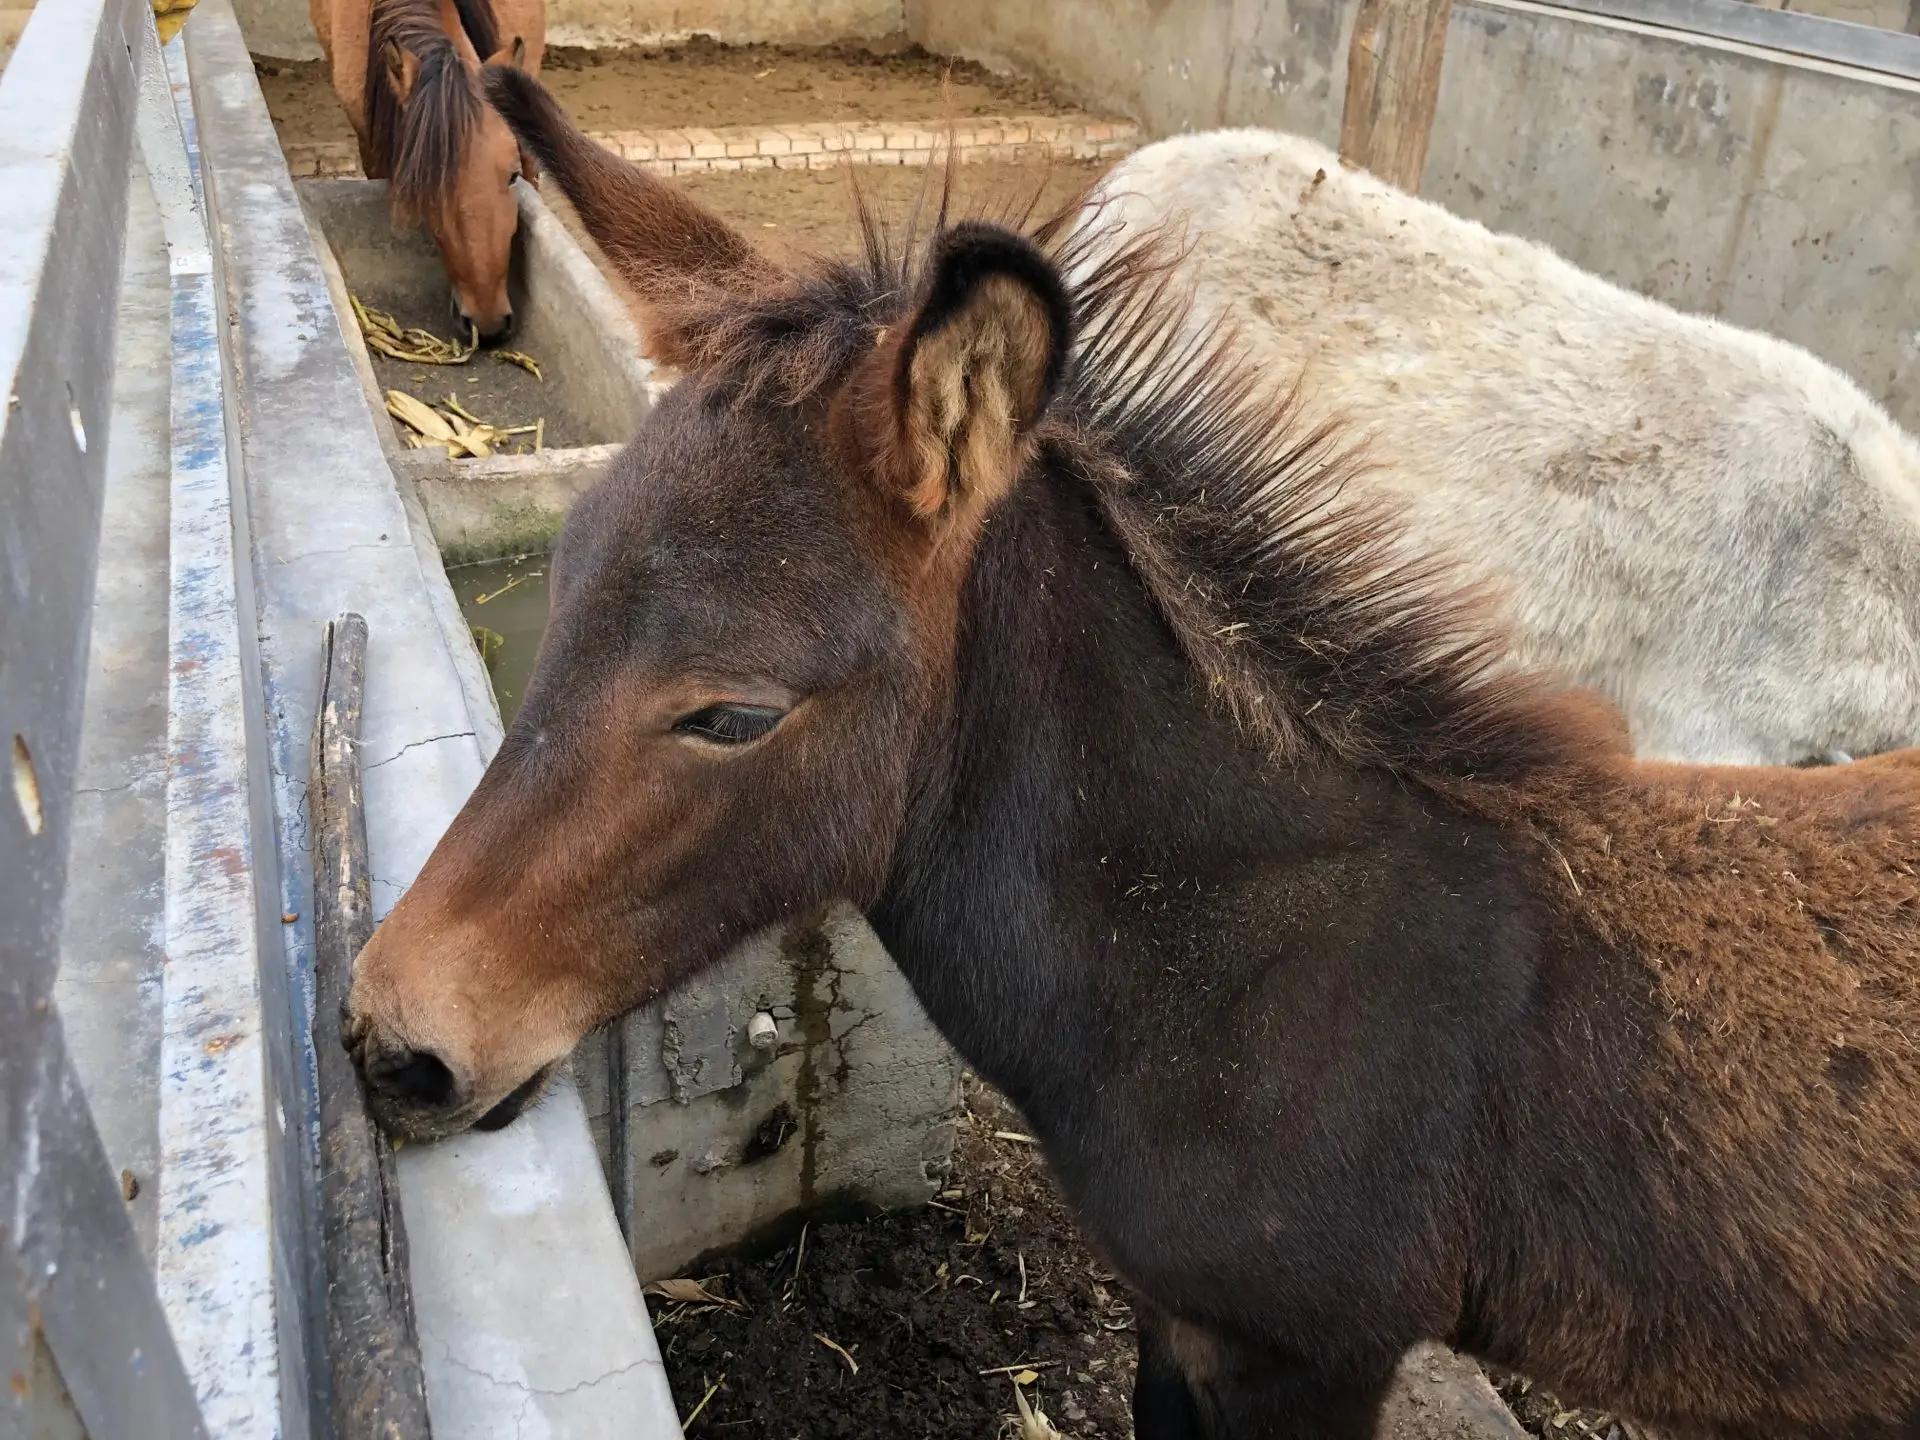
<point x="1780" y="194"/>
<point x="1901" y="15"/>
<point x="281" y="28"/>
<point x="850" y="1108"/>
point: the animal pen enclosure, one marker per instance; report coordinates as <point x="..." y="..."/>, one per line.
<point x="160" y="1275"/>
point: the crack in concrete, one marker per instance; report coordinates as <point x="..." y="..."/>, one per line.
<point x="415" y="745"/>
<point x="339" y="550"/>
<point x="529" y="1390"/>
<point x="108" y="789"/>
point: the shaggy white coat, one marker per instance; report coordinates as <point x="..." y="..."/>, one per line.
<point x="1714" y="527"/>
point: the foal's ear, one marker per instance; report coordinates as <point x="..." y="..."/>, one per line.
<point x="512" y="56"/>
<point x="974" y="370"/>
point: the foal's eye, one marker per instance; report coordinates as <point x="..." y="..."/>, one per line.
<point x="729" y="724"/>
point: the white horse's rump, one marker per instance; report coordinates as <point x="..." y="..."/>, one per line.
<point x="1714" y="527"/>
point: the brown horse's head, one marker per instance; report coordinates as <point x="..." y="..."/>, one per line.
<point x="451" y="158"/>
<point x="752" y="631"/>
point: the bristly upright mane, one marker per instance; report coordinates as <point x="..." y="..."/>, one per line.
<point x="1290" y="600"/>
<point x="423" y="144"/>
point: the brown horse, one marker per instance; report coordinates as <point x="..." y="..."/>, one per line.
<point x="408" y="74"/>
<point x="1359" y="994"/>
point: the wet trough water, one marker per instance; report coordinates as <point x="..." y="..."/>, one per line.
<point x="505" y="601"/>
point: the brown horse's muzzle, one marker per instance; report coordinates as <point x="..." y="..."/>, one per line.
<point x="415" y="1094"/>
<point x="441" y="1045"/>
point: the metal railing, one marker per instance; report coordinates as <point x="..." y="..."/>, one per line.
<point x="82" y="1331"/>
<point x="1810" y="37"/>
<point x="93" y="1339"/>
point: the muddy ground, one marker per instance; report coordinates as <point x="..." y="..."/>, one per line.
<point x="931" y="1317"/>
<point x="706" y="84"/>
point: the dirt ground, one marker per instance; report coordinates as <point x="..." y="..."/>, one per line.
<point x="706" y="84"/>
<point x="814" y="209"/>
<point x="1541" y="1413"/>
<point x="936" y="1313"/>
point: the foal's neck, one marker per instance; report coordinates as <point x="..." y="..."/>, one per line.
<point x="1085" y="798"/>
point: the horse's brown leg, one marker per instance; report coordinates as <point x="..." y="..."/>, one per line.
<point x="1270" y="1396"/>
<point x="1195" y="1384"/>
<point x="1163" y="1405"/>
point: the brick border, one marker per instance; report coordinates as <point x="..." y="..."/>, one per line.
<point x="820" y="145"/>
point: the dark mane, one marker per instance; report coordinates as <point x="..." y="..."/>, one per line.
<point x="422" y="146"/>
<point x="1292" y="603"/>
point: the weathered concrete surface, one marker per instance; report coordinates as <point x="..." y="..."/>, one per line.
<point x="1441" y="1396"/>
<point x="1173" y="65"/>
<point x="594" y="1369"/>
<point x="509" y="505"/>
<point x="1779" y="193"/>
<point x="281" y="27"/>
<point x="564" y="310"/>
<point x="108" y="987"/>
<point x="1784" y="196"/>
<point x="851" y="1111"/>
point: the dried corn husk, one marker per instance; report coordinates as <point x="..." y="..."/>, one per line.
<point x="525" y="361"/>
<point x="417" y="347"/>
<point x="419" y="416"/>
<point x="453" y="427"/>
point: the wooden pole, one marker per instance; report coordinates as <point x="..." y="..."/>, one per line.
<point x="1393" y="86"/>
<point x="373" y="1349"/>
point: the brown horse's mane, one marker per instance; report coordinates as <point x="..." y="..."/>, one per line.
<point x="1293" y="604"/>
<point x="424" y="143"/>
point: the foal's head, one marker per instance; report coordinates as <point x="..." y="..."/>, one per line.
<point x="451" y="158"/>
<point x="752" y="627"/>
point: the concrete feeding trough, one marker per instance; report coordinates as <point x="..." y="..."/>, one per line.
<point x="595" y="387"/>
<point x="797" y="1077"/>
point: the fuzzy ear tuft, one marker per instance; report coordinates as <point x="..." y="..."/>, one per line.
<point x="975" y="370"/>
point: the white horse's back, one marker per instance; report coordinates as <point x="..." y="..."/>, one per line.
<point x="1713" y="526"/>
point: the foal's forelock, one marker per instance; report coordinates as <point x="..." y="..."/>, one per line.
<point x="425" y="141"/>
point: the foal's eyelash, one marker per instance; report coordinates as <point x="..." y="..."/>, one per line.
<point x="729" y="724"/>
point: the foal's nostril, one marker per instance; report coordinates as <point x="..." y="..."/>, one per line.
<point x="417" y="1075"/>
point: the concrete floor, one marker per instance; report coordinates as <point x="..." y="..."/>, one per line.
<point x="108" y="989"/>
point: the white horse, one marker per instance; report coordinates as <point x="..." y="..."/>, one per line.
<point x="1712" y="526"/>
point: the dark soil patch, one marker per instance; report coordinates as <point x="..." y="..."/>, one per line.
<point x="707" y="85"/>
<point x="922" y="1303"/>
<point x="1541" y="1413"/>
